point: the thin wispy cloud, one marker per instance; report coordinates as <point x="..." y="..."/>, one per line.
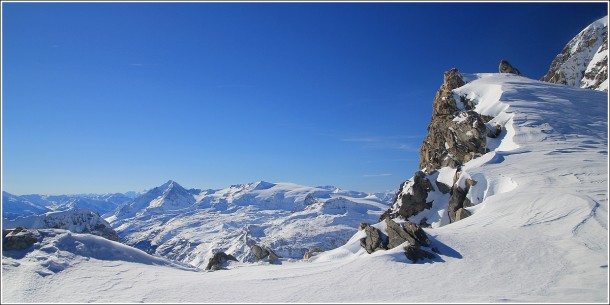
<point x="376" y="175"/>
<point x="399" y="142"/>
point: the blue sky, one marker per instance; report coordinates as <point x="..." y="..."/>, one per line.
<point x="113" y="97"/>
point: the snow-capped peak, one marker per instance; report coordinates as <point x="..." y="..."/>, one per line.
<point x="583" y="62"/>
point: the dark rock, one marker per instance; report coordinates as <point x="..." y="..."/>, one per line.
<point x="373" y="240"/>
<point x="362" y="226"/>
<point x="396" y="234"/>
<point x="414" y="253"/>
<point x="218" y="260"/>
<point x="272" y="256"/>
<point x="424" y="223"/>
<point x="386" y="214"/>
<point x="456" y="202"/>
<point x="414" y="200"/>
<point x="417" y="233"/>
<point x="259" y="252"/>
<point x="312" y="253"/>
<point x="20" y="238"/>
<point x="495" y="131"/>
<point x="461" y="214"/>
<point x="443" y="188"/>
<point x="264" y="252"/>
<point x="506" y="67"/>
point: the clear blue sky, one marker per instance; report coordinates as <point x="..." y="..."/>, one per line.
<point x="113" y="97"/>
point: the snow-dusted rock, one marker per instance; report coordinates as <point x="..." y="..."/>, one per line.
<point x="506" y="67"/>
<point x="19" y="238"/>
<point x="583" y="62"/>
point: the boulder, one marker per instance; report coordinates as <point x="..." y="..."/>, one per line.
<point x="506" y="67"/>
<point x="413" y="200"/>
<point x="20" y="238"/>
<point x="373" y="240"/>
<point x="218" y="260"/>
<point x="417" y="233"/>
<point x="259" y="252"/>
<point x="264" y="252"/>
<point x="415" y="253"/>
<point x="396" y="234"/>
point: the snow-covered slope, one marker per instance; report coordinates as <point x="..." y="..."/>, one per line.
<point x="583" y="62"/>
<point x="289" y="218"/>
<point x="77" y="221"/>
<point x="57" y="252"/>
<point x="538" y="232"/>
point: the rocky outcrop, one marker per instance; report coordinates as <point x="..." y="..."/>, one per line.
<point x="19" y="238"/>
<point x="583" y="62"/>
<point x="506" y="67"/>
<point x="407" y="231"/>
<point x="264" y="252"/>
<point x="456" y="133"/>
<point x="373" y="240"/>
<point x="412" y="195"/>
<point x="218" y="260"/>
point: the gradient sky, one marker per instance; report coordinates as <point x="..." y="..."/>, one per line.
<point x="114" y="97"/>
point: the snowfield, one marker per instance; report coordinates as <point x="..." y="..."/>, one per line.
<point x="538" y="233"/>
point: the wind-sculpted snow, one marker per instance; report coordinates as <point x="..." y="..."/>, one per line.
<point x="289" y="218"/>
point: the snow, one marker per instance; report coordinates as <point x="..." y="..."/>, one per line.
<point x="289" y="218"/>
<point x="584" y="51"/>
<point x="538" y="233"/>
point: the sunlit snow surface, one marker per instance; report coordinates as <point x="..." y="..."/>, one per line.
<point x="539" y="232"/>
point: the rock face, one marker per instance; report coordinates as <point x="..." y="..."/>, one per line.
<point x="456" y="133"/>
<point x="218" y="260"/>
<point x="506" y="67"/>
<point x="19" y="238"/>
<point x="583" y="62"/>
